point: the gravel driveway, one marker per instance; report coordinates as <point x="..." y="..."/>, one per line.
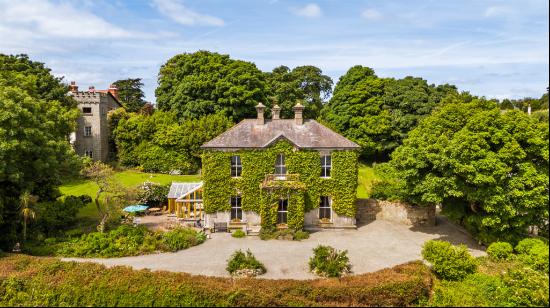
<point x="371" y="247"/>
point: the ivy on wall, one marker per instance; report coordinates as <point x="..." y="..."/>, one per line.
<point x="302" y="196"/>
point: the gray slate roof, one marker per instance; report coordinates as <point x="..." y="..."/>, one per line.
<point x="181" y="189"/>
<point x="310" y="135"/>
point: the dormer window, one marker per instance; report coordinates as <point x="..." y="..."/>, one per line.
<point x="236" y="166"/>
<point x="280" y="167"/>
<point x="326" y="166"/>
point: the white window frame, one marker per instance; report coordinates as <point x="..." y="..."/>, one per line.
<point x="237" y="206"/>
<point x="284" y="211"/>
<point x="86" y="132"/>
<point x="326" y="168"/>
<point x="237" y="168"/>
<point x="322" y="205"/>
<point x="280" y="166"/>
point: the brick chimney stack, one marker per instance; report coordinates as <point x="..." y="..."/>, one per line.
<point x="73" y="87"/>
<point x="260" y="108"/>
<point x="298" y="114"/>
<point x="113" y="90"/>
<point x="276" y="110"/>
<point x="91" y="89"/>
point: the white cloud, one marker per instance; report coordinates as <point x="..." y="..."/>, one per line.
<point x="176" y="11"/>
<point x="58" y="20"/>
<point x="311" y="10"/>
<point x="493" y="11"/>
<point x="371" y="14"/>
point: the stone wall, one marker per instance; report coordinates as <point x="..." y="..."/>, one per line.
<point x="311" y="221"/>
<point x="371" y="209"/>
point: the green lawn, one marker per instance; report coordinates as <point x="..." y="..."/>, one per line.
<point x="366" y="178"/>
<point x="128" y="178"/>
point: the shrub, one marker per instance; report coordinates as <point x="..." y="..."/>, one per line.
<point x="301" y="235"/>
<point x="449" y="262"/>
<point x="526" y="287"/>
<point x="525" y="245"/>
<point x="476" y="290"/>
<point x="91" y="285"/>
<point x="244" y="264"/>
<point x="182" y="238"/>
<point x="329" y="262"/>
<point x="500" y="251"/>
<point x="533" y="253"/>
<point x="130" y="241"/>
<point x="153" y="194"/>
<point x="238" y="233"/>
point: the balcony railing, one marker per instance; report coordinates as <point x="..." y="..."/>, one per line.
<point x="281" y="177"/>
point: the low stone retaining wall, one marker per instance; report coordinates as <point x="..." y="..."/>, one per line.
<point x="401" y="212"/>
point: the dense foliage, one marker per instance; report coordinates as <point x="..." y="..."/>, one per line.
<point x="153" y="194"/>
<point x="304" y="84"/>
<point x="524" y="103"/>
<point x="377" y="113"/>
<point x="449" y="262"/>
<point x="59" y="215"/>
<point x="35" y="119"/>
<point x="500" y="251"/>
<point x="241" y="263"/>
<point x="329" y="262"/>
<point x="160" y="143"/>
<point x="489" y="169"/>
<point x="239" y="233"/>
<point x="219" y="186"/>
<point x="87" y="284"/>
<point x="130" y="94"/>
<point x="130" y="241"/>
<point x="510" y="281"/>
<point x="533" y="253"/>
<point x="193" y="85"/>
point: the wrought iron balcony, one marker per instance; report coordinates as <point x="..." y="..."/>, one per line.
<point x="282" y="180"/>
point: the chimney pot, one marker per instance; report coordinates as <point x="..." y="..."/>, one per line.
<point x="276" y="111"/>
<point x="260" y="109"/>
<point x="113" y="90"/>
<point x="298" y="114"/>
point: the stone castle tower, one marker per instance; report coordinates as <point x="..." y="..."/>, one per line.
<point x="91" y="137"/>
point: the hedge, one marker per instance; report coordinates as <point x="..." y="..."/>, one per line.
<point x="87" y="284"/>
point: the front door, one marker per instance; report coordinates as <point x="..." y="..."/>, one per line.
<point x="282" y="211"/>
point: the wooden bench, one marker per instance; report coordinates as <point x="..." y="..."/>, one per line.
<point x="220" y="227"/>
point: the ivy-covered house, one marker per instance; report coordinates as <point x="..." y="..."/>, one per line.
<point x="285" y="173"/>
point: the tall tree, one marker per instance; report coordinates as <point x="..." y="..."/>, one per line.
<point x="487" y="168"/>
<point x="304" y="84"/>
<point x="197" y="84"/>
<point x="130" y="93"/>
<point x="377" y="113"/>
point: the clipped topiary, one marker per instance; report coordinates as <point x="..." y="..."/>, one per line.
<point x="500" y="251"/>
<point x="329" y="262"/>
<point x="238" y="233"/>
<point x="449" y="262"/>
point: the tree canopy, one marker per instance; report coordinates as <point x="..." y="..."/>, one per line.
<point x="160" y="143"/>
<point x="130" y="93"/>
<point x="34" y="152"/>
<point x="489" y="169"/>
<point x="377" y="113"/>
<point x="304" y="84"/>
<point x="197" y="84"/>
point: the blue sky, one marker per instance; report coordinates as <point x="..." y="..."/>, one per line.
<point x="492" y="48"/>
